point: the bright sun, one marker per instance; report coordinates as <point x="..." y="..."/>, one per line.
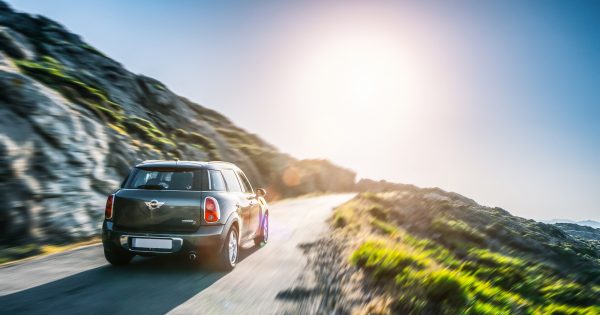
<point x="357" y="73"/>
<point x="355" y="86"/>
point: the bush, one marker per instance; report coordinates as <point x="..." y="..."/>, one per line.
<point x="570" y="293"/>
<point x="383" y="261"/>
<point x="342" y="216"/>
<point x="384" y="226"/>
<point x="378" y="212"/>
<point x="443" y="286"/>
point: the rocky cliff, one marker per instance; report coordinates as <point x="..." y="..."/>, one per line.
<point x="73" y="121"/>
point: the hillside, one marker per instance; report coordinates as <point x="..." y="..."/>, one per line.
<point x="405" y="250"/>
<point x="73" y="121"/>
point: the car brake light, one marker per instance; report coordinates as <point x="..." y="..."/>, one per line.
<point x="212" y="213"/>
<point x="108" y="211"/>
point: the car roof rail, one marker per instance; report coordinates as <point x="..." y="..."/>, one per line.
<point x="152" y="161"/>
<point x="222" y="162"/>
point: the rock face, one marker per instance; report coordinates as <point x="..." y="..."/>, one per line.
<point x="73" y="121"/>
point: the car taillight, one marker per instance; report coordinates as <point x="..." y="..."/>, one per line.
<point x="212" y="213"/>
<point x="108" y="211"/>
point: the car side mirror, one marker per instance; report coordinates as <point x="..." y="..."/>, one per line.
<point x="261" y="192"/>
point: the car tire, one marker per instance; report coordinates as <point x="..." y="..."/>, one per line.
<point x="228" y="257"/>
<point x="118" y="258"/>
<point x="263" y="236"/>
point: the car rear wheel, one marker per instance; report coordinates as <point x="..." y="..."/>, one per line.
<point x="118" y="258"/>
<point x="229" y="254"/>
<point x="263" y="236"/>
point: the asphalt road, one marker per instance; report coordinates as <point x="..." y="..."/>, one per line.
<point x="81" y="281"/>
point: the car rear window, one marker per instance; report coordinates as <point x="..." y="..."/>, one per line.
<point x="168" y="179"/>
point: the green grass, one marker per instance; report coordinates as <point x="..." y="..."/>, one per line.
<point x="436" y="276"/>
<point x="385" y="262"/>
<point x="148" y="131"/>
<point x="55" y="75"/>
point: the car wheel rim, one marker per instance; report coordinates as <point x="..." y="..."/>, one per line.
<point x="233" y="248"/>
<point x="266" y="228"/>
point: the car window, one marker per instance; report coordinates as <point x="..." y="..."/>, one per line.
<point x="216" y="181"/>
<point x="245" y="183"/>
<point x="167" y="179"/>
<point x="232" y="182"/>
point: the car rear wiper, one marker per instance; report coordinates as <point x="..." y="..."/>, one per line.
<point x="156" y="187"/>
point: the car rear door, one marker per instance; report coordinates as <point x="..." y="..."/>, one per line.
<point x="235" y="189"/>
<point x="254" y="204"/>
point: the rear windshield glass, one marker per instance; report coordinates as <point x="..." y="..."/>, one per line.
<point x="168" y="179"/>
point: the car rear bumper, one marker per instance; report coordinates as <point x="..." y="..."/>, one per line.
<point x="206" y="238"/>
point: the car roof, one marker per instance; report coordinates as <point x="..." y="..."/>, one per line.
<point x="186" y="164"/>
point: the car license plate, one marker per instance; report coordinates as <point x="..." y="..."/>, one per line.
<point x="157" y="243"/>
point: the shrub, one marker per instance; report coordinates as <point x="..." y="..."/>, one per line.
<point x="443" y="286"/>
<point x="383" y="261"/>
<point x="558" y="309"/>
<point x="570" y="293"/>
<point x="384" y="226"/>
<point x="488" y="258"/>
<point x="342" y="216"/>
<point x="378" y="212"/>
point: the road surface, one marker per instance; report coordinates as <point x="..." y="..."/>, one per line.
<point x="81" y="282"/>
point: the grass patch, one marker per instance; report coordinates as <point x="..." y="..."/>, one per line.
<point x="55" y="75"/>
<point x="383" y="261"/>
<point x="384" y="227"/>
<point x="146" y="130"/>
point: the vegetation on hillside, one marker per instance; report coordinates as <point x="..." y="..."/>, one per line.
<point x="427" y="251"/>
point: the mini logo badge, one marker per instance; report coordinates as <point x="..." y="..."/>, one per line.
<point x="154" y="204"/>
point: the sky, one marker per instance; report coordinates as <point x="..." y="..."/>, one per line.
<point x="496" y="100"/>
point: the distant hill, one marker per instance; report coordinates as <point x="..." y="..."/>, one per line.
<point x="73" y="121"/>
<point x="590" y="223"/>
<point x="580" y="231"/>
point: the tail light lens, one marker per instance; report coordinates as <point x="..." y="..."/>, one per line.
<point x="212" y="213"/>
<point x="108" y="211"/>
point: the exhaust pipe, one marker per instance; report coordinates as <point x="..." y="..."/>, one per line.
<point x="192" y="256"/>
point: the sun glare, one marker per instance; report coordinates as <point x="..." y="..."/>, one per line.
<point x="357" y="73"/>
<point x="365" y="79"/>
